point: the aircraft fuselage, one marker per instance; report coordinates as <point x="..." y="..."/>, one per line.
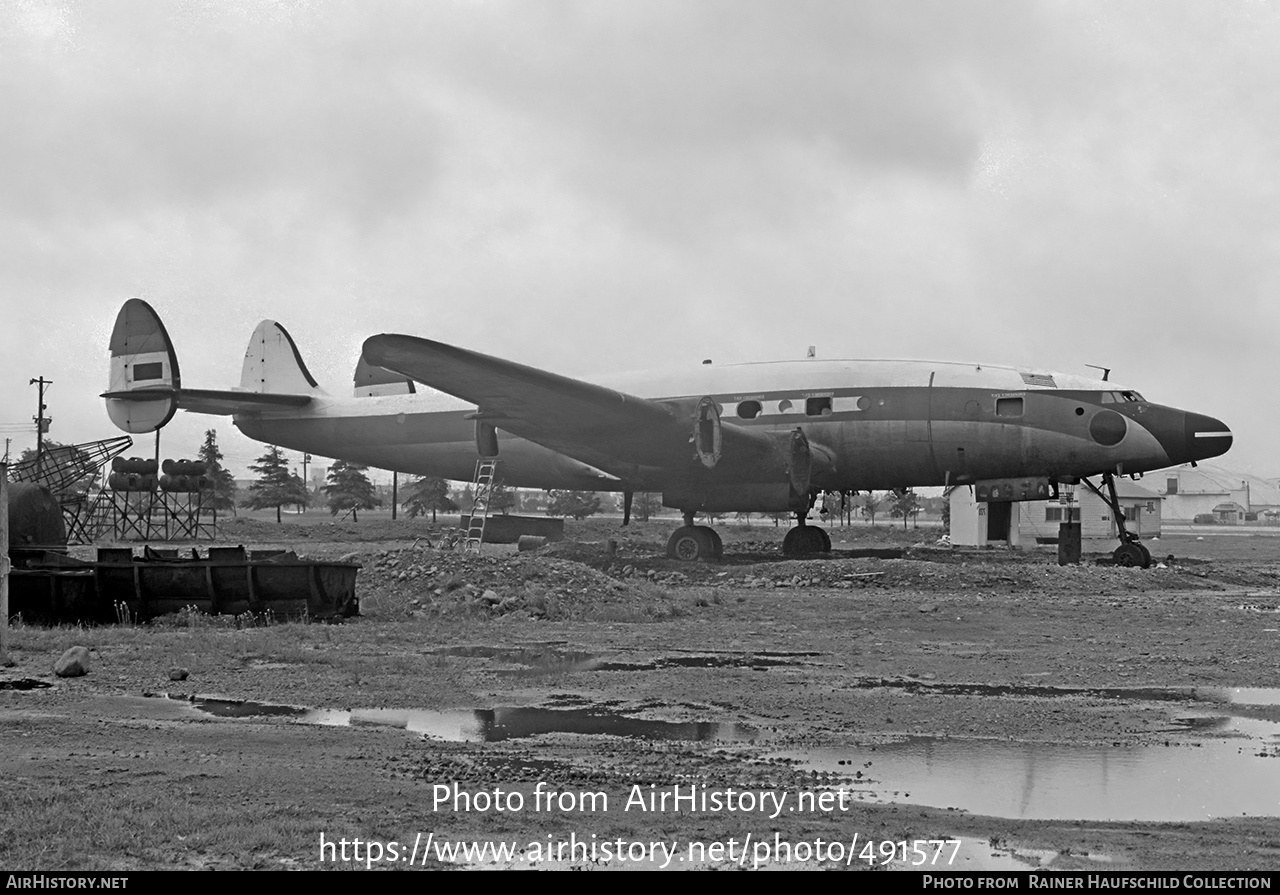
<point x="889" y="424"/>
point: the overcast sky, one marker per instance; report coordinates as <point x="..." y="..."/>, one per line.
<point x="592" y="186"/>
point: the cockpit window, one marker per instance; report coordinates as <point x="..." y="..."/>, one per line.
<point x="1132" y="397"/>
<point x="1108" y="398"/>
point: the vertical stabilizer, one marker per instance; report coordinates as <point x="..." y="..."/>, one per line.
<point x="142" y="362"/>
<point x="272" y="363"/>
<point x="371" y="381"/>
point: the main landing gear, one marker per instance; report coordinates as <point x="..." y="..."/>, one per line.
<point x="690" y="542"/>
<point x="804" y="540"/>
<point x="1131" y="552"/>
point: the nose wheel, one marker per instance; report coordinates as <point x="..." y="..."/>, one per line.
<point x="1132" y="554"/>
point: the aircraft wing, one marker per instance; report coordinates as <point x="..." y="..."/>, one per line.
<point x="590" y="422"/>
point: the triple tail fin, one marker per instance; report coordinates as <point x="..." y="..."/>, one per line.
<point x="146" y="388"/>
<point x="371" y="381"/>
<point x="273" y="364"/>
<point x="142" y="393"/>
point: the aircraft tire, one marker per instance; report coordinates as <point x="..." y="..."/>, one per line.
<point x="1132" y="555"/>
<point x="826" y="540"/>
<point x="690" y="543"/>
<point x="806" y="540"/>
<point x="791" y="544"/>
<point x="717" y="545"/>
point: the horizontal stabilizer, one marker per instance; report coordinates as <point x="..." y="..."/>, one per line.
<point x="215" y="401"/>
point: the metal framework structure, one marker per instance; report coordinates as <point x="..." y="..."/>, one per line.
<point x="63" y="469"/>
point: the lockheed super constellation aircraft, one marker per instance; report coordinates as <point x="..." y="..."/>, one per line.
<point x="759" y="437"/>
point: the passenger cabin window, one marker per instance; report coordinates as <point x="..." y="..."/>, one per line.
<point x="784" y="406"/>
<point x="1009" y="407"/>
<point x="817" y="407"/>
<point x="748" y="410"/>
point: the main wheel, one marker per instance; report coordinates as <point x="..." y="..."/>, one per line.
<point x="691" y="543"/>
<point x="717" y="545"/>
<point x="825" y="538"/>
<point x="793" y="543"/>
<point x="806" y="540"/>
<point x="1132" y="555"/>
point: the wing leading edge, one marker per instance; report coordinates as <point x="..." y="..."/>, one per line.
<point x="598" y="425"/>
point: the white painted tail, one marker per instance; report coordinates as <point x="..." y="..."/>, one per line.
<point x="273" y="365"/>
<point x="141" y="393"/>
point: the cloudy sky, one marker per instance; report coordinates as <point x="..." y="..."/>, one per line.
<point x="613" y="184"/>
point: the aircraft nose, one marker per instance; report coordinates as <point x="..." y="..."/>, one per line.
<point x="1205" y="436"/>
<point x="1186" y="436"/>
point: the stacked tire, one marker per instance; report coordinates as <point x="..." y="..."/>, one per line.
<point x="183" y="476"/>
<point x="133" y="474"/>
<point x="138" y="474"/>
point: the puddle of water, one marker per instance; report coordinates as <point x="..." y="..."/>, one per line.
<point x="546" y="661"/>
<point x="1150" y="694"/>
<point x="1032" y="781"/>
<point x="25" y="683"/>
<point x="1240" y="695"/>
<point x="489" y="725"/>
<point x="973" y="855"/>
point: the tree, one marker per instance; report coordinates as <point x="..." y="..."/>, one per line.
<point x="904" y="505"/>
<point x="275" y="486"/>
<point x="578" y="504"/>
<point x="644" y="504"/>
<point x="501" y="498"/>
<point x="429" y="492"/>
<point x="220" y="492"/>
<point x="349" y="488"/>
<point x="870" y="503"/>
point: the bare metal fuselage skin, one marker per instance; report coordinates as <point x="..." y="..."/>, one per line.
<point x="888" y="424"/>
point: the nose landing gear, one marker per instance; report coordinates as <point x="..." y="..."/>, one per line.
<point x="1131" y="552"/>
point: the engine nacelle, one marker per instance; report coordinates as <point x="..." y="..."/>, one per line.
<point x="708" y="439"/>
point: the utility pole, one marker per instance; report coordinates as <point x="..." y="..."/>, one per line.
<point x="7" y="441"/>
<point x="395" y="477"/>
<point x="306" y="458"/>
<point x="4" y="565"/>
<point x="42" y="422"/>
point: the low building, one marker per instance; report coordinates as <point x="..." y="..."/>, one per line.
<point x="976" y="524"/>
<point x="1208" y="493"/>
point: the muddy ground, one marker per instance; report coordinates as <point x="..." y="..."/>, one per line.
<point x="1084" y="717"/>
